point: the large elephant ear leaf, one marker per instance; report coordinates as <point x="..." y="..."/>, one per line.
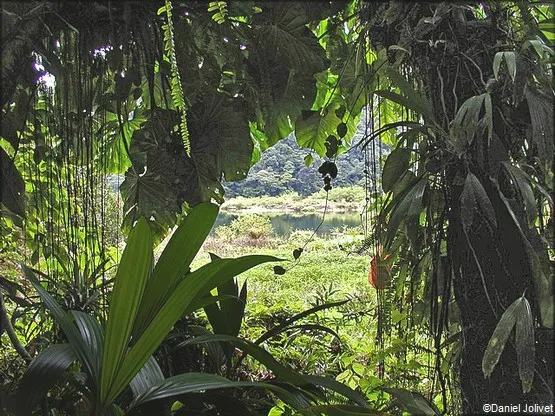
<point x="283" y="29"/>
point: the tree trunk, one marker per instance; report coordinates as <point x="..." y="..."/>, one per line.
<point x="452" y="61"/>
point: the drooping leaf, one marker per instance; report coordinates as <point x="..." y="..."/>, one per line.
<point x="525" y="345"/>
<point x="42" y="374"/>
<point x="93" y="335"/>
<point x="405" y="207"/>
<point x="285" y="373"/>
<point x="499" y="338"/>
<point x="332" y="384"/>
<point x="148" y="376"/>
<point x="285" y="324"/>
<point x="524" y="189"/>
<point x="413" y="402"/>
<point x="396" y="164"/>
<point x="191" y="382"/>
<point x="64" y="319"/>
<point x="474" y="200"/>
<point x="414" y="100"/>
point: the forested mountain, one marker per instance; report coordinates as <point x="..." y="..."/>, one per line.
<point x="282" y="168"/>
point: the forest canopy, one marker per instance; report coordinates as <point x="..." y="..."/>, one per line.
<point x="180" y="97"/>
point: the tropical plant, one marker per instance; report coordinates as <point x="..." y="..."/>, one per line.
<point x="119" y="354"/>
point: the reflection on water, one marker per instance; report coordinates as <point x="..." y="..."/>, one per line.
<point x="285" y="224"/>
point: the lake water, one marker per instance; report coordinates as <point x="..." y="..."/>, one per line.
<point x="285" y="224"/>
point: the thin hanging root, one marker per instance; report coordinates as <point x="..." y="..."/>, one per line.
<point x="480" y="271"/>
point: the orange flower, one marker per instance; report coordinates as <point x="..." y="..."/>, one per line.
<point x="379" y="274"/>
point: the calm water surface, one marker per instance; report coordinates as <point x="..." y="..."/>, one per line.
<point x="285" y="224"/>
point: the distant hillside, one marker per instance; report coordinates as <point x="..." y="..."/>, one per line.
<point x="282" y="169"/>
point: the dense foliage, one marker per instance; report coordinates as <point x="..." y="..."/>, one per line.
<point x="180" y="97"/>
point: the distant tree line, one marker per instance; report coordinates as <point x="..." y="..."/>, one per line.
<point x="282" y="169"/>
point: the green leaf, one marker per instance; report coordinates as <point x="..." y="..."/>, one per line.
<point x="64" y="319"/>
<point x="42" y="374"/>
<point x="413" y="100"/>
<point x="413" y="402"/>
<point x="196" y="284"/>
<point x="343" y="410"/>
<point x="497" y="342"/>
<point x="524" y="189"/>
<point x="497" y="64"/>
<point x="93" y="336"/>
<point x="285" y="324"/>
<point x="525" y="345"/>
<point x="474" y="199"/>
<point x="395" y="165"/>
<point x="192" y="382"/>
<point x="406" y="207"/>
<point x="148" y="376"/>
<point x="131" y="278"/>
<point x="308" y="159"/>
<point x="12" y="187"/>
<point x="285" y="373"/>
<point x="313" y="131"/>
<point x="510" y="59"/>
<point x="174" y="262"/>
<point x="337" y="387"/>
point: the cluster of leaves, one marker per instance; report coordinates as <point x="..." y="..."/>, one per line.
<point x="250" y="226"/>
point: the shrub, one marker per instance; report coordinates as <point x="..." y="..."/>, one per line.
<point x="251" y="226"/>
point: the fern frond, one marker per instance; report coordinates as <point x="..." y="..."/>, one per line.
<point x="177" y="94"/>
<point x="220" y="7"/>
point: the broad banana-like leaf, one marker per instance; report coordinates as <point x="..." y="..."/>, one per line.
<point x="42" y="374"/>
<point x="175" y="260"/>
<point x="192" y="382"/>
<point x="196" y="284"/>
<point x="497" y="342"/>
<point x="133" y="272"/>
